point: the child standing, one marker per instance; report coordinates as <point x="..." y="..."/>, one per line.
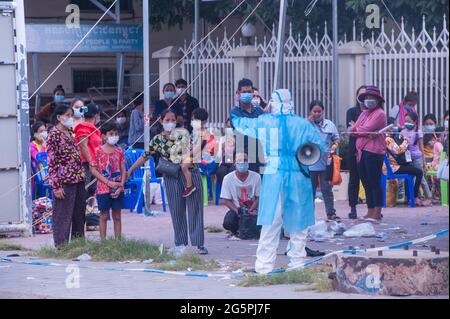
<point x="108" y="167"/>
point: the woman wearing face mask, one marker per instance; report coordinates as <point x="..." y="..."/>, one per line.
<point x="415" y="146"/>
<point x="66" y="177"/>
<point x="123" y="127"/>
<point x="173" y="145"/>
<point x="330" y="137"/>
<point x="46" y="112"/>
<point x="431" y="145"/>
<point x="37" y="145"/>
<point x="89" y="138"/>
<point x="408" y="104"/>
<point x="371" y="147"/>
<point x="77" y="105"/>
<point x="168" y="101"/>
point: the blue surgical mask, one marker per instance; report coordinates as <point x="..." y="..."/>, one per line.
<point x="169" y="95"/>
<point x="242" y="167"/>
<point x="59" y="98"/>
<point x="429" y="128"/>
<point x="370" y="104"/>
<point x="246" y="98"/>
<point x="409" y="108"/>
<point x="409" y="126"/>
<point x="77" y="112"/>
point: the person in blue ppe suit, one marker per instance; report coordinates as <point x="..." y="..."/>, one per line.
<point x="286" y="198"/>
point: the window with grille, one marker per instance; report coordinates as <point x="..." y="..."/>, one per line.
<point x="105" y="79"/>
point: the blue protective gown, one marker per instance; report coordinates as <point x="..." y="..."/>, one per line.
<point x="282" y="171"/>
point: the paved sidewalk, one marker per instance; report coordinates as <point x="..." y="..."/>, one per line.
<point x="49" y="282"/>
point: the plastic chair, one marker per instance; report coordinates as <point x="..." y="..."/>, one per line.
<point x="210" y="185"/>
<point x="444" y="186"/>
<point x="409" y="179"/>
<point x="133" y="198"/>
<point x="41" y="187"/>
<point x="154" y="179"/>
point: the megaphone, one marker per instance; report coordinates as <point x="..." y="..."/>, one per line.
<point x="308" y="154"/>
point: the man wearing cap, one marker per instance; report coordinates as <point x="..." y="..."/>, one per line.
<point x="371" y="148"/>
<point x="286" y="198"/>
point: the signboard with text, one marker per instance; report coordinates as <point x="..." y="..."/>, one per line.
<point x="58" y="38"/>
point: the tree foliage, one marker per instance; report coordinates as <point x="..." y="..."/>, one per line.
<point x="174" y="13"/>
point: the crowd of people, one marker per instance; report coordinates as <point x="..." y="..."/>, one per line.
<point x="86" y="158"/>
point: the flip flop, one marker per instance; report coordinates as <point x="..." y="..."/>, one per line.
<point x="373" y="220"/>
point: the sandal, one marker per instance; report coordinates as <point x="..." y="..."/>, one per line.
<point x="333" y="217"/>
<point x="372" y="220"/>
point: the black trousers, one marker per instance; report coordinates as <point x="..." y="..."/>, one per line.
<point x="412" y="170"/>
<point x="68" y="213"/>
<point x="353" y="183"/>
<point x="370" y="169"/>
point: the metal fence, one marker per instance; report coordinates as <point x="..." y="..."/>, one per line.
<point x="397" y="62"/>
<point x="404" y="62"/>
<point x="216" y="77"/>
<point x="307" y="69"/>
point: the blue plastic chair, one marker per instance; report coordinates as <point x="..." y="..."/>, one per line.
<point x="135" y="184"/>
<point x="154" y="179"/>
<point x="41" y="187"/>
<point x="208" y="178"/>
<point x="409" y="179"/>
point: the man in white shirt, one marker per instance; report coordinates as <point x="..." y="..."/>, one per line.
<point x="240" y="191"/>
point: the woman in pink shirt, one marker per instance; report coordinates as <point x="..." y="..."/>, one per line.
<point x="371" y="148"/>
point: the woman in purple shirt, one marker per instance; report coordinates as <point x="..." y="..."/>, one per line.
<point x="415" y="146"/>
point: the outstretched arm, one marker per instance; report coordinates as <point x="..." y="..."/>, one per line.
<point x="246" y="126"/>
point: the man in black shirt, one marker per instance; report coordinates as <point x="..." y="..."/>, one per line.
<point x="185" y="105"/>
<point x="353" y="185"/>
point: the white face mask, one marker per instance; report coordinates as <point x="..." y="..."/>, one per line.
<point x="446" y="125"/>
<point x="181" y="91"/>
<point x="44" y="135"/>
<point x="121" y="120"/>
<point x="196" y="124"/>
<point x="77" y="112"/>
<point x="169" y="127"/>
<point x="112" y="140"/>
<point x="68" y="122"/>
<point x="256" y="102"/>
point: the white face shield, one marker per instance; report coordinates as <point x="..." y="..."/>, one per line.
<point x="281" y="102"/>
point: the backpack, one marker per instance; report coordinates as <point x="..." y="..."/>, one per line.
<point x="247" y="226"/>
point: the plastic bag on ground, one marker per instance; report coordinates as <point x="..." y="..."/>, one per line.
<point x="361" y="230"/>
<point x="338" y="227"/>
<point x="319" y="232"/>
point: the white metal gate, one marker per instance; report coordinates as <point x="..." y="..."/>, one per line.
<point x="307" y="69"/>
<point x="400" y="63"/>
<point x="216" y="78"/>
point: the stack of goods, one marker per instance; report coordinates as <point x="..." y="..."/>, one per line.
<point x="42" y="215"/>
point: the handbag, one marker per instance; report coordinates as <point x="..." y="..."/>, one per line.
<point x="442" y="172"/>
<point x="336" y="176"/>
<point x="167" y="168"/>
